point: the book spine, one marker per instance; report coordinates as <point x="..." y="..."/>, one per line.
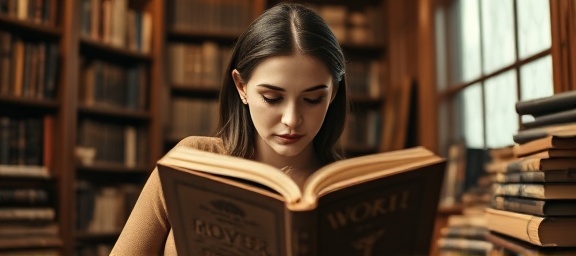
<point x="302" y="234"/>
<point x="535" y="207"/>
<point x="525" y="165"/>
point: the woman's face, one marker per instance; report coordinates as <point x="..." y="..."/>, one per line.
<point x="288" y="97"/>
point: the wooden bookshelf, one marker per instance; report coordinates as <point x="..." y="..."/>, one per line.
<point x="61" y="23"/>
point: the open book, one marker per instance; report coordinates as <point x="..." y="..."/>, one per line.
<point x="369" y="205"/>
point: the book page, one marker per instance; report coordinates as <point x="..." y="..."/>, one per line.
<point x="194" y="159"/>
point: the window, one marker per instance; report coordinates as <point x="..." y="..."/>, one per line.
<point x="497" y="52"/>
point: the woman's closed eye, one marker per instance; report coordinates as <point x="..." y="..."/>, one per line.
<point x="271" y="99"/>
<point x="316" y="100"/>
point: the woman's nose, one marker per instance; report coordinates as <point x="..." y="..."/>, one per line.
<point x="291" y="116"/>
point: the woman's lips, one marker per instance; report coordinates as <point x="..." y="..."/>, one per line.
<point x="289" y="138"/>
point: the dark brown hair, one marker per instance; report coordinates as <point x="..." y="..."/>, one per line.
<point x="280" y="31"/>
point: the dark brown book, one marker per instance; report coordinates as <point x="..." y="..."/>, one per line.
<point x="528" y="135"/>
<point x="379" y="204"/>
<point x="562" y="117"/>
<point x="535" y="206"/>
<point x="546" y="105"/>
<point x="507" y="246"/>
<point x="537" y="230"/>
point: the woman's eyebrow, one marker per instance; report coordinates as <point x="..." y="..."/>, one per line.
<point x="276" y="88"/>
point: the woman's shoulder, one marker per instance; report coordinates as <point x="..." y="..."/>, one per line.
<point x="205" y="143"/>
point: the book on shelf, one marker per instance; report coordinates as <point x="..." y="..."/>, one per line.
<point x="546" y="105"/>
<point x="534" y="206"/>
<point x="383" y="203"/>
<point x="27" y="213"/>
<point x="537" y="230"/>
<point x="505" y="246"/>
<point x="536" y="190"/>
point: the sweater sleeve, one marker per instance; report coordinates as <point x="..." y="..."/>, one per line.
<point x="148" y="230"/>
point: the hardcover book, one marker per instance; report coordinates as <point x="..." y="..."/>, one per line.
<point x="546" y="105"/>
<point x="378" y="204"/>
<point x="559" y="140"/>
<point x="541" y="231"/>
<point x="533" y="206"/>
<point x="505" y="245"/>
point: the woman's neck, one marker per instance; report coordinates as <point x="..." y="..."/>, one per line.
<point x="299" y="167"/>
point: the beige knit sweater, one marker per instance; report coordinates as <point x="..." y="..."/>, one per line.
<point x="148" y="231"/>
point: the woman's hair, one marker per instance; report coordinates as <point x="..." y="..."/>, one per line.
<point x="281" y="31"/>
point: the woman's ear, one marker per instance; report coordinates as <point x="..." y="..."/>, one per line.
<point x="240" y="85"/>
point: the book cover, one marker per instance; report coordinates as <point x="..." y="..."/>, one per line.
<point x="547" y="105"/>
<point x="506" y="245"/>
<point x="528" y="135"/>
<point x="560" y="140"/>
<point x="541" y="231"/>
<point x="373" y="205"/>
<point x="562" y="117"/>
<point x="535" y="206"/>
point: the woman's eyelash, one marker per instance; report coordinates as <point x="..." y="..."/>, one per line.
<point x="313" y="101"/>
<point x="271" y="100"/>
<point x="316" y="100"/>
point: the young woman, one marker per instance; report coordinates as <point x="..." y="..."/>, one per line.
<point x="283" y="102"/>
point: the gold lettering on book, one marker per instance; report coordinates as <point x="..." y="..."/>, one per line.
<point x="230" y="237"/>
<point x="369" y="209"/>
<point x="366" y="244"/>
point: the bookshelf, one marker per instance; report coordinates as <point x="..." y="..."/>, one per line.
<point x="78" y="73"/>
<point x="196" y="54"/>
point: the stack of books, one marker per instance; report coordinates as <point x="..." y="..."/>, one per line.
<point x="533" y="208"/>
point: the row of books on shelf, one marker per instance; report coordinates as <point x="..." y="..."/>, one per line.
<point x="110" y="143"/>
<point x="226" y="16"/>
<point x="197" y="65"/>
<point x="362" y="130"/>
<point x="27" y="68"/>
<point x="104" y="209"/>
<point x="27" y="218"/>
<point x="38" y="11"/>
<point x="353" y="25"/>
<point x="104" y="84"/>
<point x="116" y="22"/>
<point x="532" y="207"/>
<point x="364" y="78"/>
<point x="25" y="145"/>
<point x="192" y="117"/>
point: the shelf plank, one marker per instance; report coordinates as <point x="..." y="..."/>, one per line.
<point x="30" y="243"/>
<point x="97" y="48"/>
<point x="114" y="112"/>
<point x="191" y="35"/>
<point x="193" y="91"/>
<point x="84" y="236"/>
<point x="111" y="168"/>
<point x="15" y="104"/>
<point x="25" y="27"/>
